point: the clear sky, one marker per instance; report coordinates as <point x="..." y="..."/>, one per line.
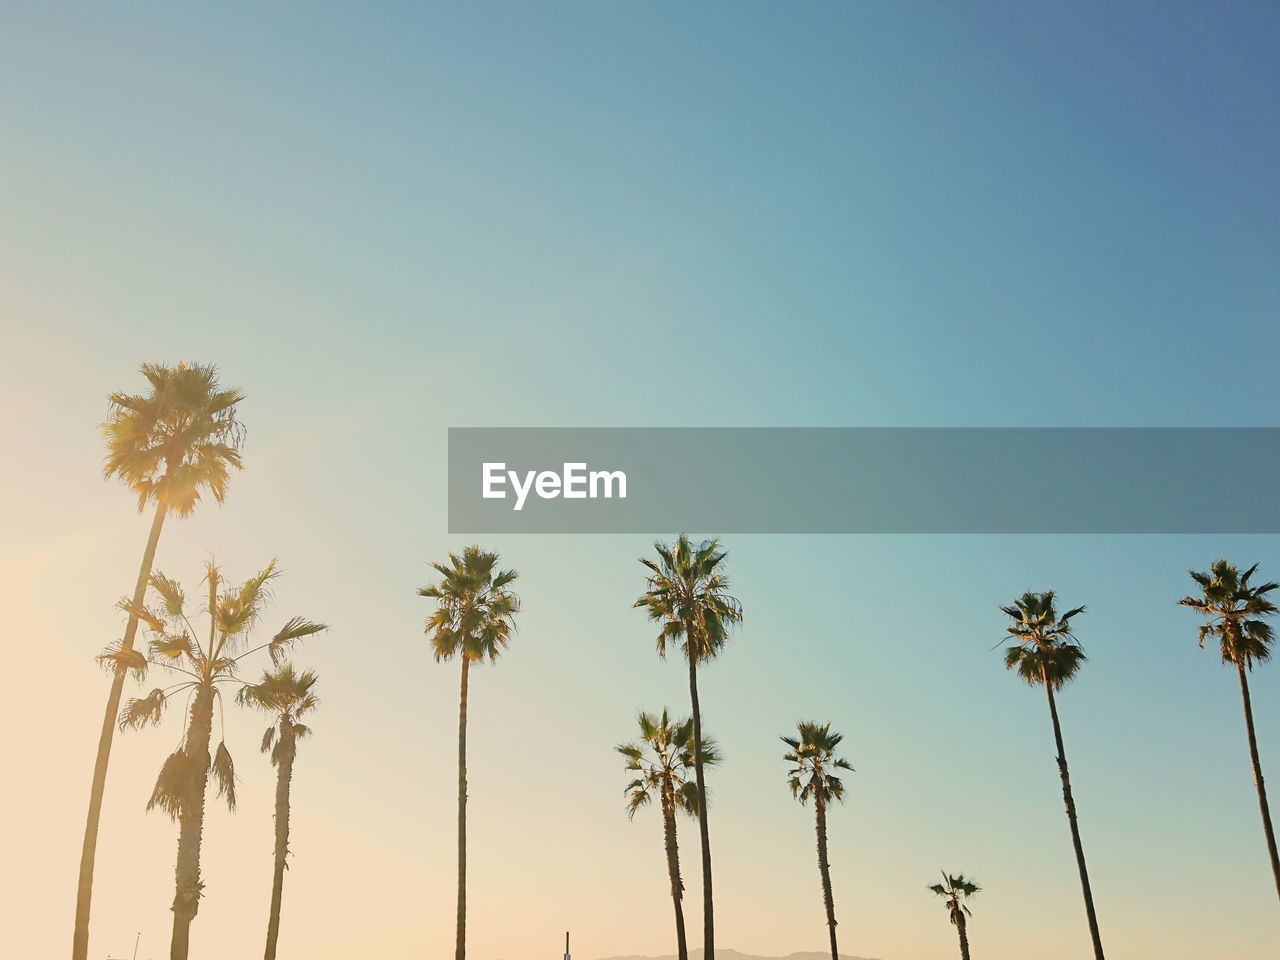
<point x="386" y="220"/>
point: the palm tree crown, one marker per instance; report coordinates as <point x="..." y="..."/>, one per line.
<point x="177" y="441"/>
<point x="1234" y="607"/>
<point x="687" y="593"/>
<point x="476" y="611"/>
<point x="663" y="759"/>
<point x="954" y="889"/>
<point x="232" y="612"/>
<point x="1044" y="648"/>
<point x="287" y="695"/>
<point x="813" y="754"/>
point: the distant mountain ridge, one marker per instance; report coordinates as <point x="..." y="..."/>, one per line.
<point x="735" y="955"/>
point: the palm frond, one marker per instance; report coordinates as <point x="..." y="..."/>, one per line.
<point x="115" y="659"/>
<point x="174" y="784"/>
<point x="294" y="629"/>
<point x="224" y="775"/>
<point x="139" y="712"/>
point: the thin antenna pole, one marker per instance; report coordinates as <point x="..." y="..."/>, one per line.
<point x="566" y="946"/>
<point x="135" y="945"/>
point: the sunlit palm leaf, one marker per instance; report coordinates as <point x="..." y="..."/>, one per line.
<point x="114" y="659"/>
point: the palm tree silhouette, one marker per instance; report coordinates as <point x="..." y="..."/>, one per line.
<point x="954" y="890"/>
<point x="662" y="760"/>
<point x="181" y="786"/>
<point x="1045" y="653"/>
<point x="813" y="778"/>
<point x="473" y="620"/>
<point x="687" y="592"/>
<point x="1235" y="609"/>
<point x="288" y="696"/>
<point x="170" y="447"/>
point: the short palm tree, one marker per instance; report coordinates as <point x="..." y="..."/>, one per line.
<point x="1046" y="653"/>
<point x="813" y="754"/>
<point x="955" y="890"/>
<point x="662" y="761"/>
<point x="473" y="620"/>
<point x="170" y="446"/>
<point x="687" y="592"/>
<point x="1235" y="608"/>
<point x="204" y="666"/>
<point x="287" y="695"/>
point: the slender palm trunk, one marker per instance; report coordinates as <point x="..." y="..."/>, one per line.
<point x="963" y="932"/>
<point x="708" y="911"/>
<point x="824" y="867"/>
<point x="88" y="852"/>
<point x="1071" y="818"/>
<point x="673" y="866"/>
<point x="188" y="887"/>
<point x="284" y="780"/>
<point x="1257" y="776"/>
<point x="460" y="952"/>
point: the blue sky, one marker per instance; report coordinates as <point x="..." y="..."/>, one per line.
<point x="387" y="221"/>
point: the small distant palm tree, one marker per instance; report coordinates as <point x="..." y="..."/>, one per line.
<point x="473" y="620"/>
<point x="1235" y="609"/>
<point x="813" y="778"/>
<point x="287" y="695"/>
<point x="662" y="760"/>
<point x="1045" y="653"/>
<point x="205" y="665"/>
<point x="169" y="446"/>
<point x="954" y="890"/>
<point x="688" y="593"/>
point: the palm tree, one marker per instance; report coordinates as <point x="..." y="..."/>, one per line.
<point x="954" y="889"/>
<point x="687" y="592"/>
<point x="812" y="778"/>
<point x="287" y="695"/>
<point x="662" y="760"/>
<point x="474" y="616"/>
<point x="180" y="788"/>
<point x="1235" y="609"/>
<point x="1046" y="653"/>
<point x="170" y="447"/>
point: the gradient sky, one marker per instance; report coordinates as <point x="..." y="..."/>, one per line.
<point x="385" y="221"/>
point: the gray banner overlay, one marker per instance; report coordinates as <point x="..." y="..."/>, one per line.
<point x="866" y="480"/>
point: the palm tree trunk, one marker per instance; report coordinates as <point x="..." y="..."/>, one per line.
<point x="284" y="780"/>
<point x="673" y="866"/>
<point x="964" y="934"/>
<point x="460" y="952"/>
<point x="824" y="867"/>
<point x="88" y="852"/>
<point x="1257" y="776"/>
<point x="1071" y="818"/>
<point x="708" y="911"/>
<point x="188" y="888"/>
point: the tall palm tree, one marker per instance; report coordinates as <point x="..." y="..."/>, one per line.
<point x="1235" y="609"/>
<point x="170" y="447"/>
<point x="1046" y="653"/>
<point x="287" y="695"/>
<point x="954" y="890"/>
<point x="687" y="592"/>
<point x="813" y="753"/>
<point x="474" y="616"/>
<point x="203" y="665"/>
<point x="662" y="760"/>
